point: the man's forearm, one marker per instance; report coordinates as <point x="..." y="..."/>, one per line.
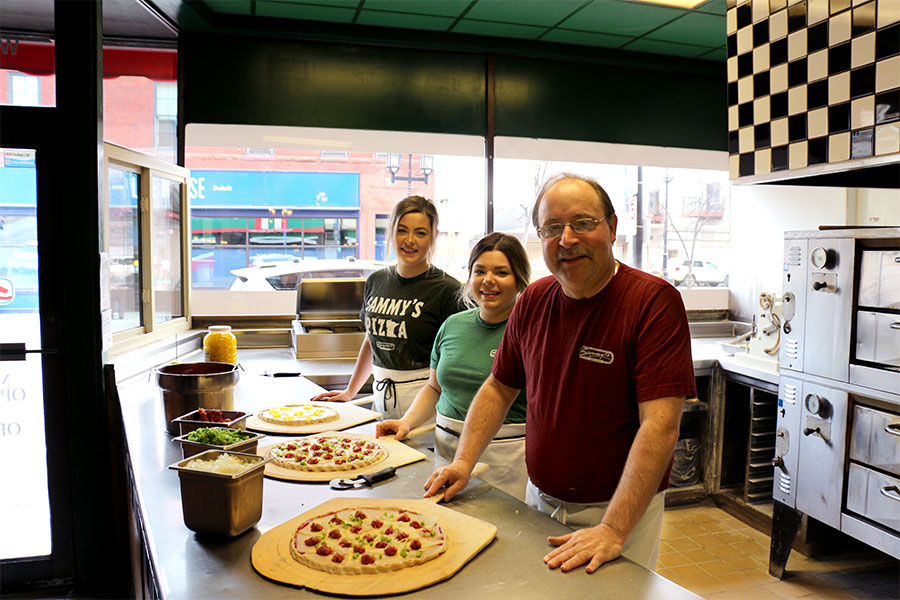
<point x="485" y="416"/>
<point x="645" y="466"/>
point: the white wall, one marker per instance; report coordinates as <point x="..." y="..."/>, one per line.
<point x="760" y="216"/>
<point x="876" y="207"/>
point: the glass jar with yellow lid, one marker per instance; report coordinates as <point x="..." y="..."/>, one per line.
<point x="220" y="345"/>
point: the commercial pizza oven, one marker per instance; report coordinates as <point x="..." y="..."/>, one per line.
<point x="837" y="455"/>
<point x="327" y="324"/>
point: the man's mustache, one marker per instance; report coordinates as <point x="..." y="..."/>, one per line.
<point x="570" y="253"/>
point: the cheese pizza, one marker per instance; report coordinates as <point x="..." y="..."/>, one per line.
<point x="298" y="414"/>
<point x="364" y="540"/>
<point x="327" y="453"/>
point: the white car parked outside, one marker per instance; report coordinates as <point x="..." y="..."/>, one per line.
<point x="698" y="272"/>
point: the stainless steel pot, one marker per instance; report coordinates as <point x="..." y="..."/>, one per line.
<point x="186" y="387"/>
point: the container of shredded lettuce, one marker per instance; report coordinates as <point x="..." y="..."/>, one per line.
<point x="220" y="438"/>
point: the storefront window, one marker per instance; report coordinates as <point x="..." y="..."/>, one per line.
<point x="683" y="213"/>
<point x="165" y="200"/>
<point x="318" y="202"/>
<point x="27" y="71"/>
<point x="25" y="502"/>
<point x="124" y="249"/>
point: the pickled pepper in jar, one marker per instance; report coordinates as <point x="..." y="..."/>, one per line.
<point x="220" y="345"/>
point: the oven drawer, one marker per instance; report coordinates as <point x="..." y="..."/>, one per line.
<point x="879" y="279"/>
<point x="874" y="496"/>
<point x="878" y="338"/>
<point x="875" y="439"/>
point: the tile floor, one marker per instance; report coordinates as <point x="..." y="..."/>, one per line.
<point x="718" y="557"/>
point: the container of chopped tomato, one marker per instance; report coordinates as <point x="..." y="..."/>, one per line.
<point x="206" y="417"/>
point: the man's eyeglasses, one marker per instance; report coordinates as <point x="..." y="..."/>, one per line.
<point x="583" y="225"/>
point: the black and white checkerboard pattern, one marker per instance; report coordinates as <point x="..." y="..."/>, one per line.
<point x="811" y="82"/>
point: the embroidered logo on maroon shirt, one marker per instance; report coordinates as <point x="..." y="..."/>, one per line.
<point x="595" y="354"/>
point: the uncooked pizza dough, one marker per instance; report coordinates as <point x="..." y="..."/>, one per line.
<point x="364" y="539"/>
<point x="298" y="414"/>
<point x="327" y="453"/>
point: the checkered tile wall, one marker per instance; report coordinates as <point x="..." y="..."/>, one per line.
<point x="811" y="82"/>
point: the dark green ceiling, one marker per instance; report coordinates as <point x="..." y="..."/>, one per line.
<point x="613" y="24"/>
<point x="527" y="25"/>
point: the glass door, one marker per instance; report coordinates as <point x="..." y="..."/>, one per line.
<point x="25" y="502"/>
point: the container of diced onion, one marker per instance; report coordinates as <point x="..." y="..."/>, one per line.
<point x="221" y="492"/>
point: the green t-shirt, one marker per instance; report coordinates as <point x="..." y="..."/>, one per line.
<point x="463" y="355"/>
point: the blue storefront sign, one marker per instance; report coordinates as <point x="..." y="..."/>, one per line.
<point x="263" y="189"/>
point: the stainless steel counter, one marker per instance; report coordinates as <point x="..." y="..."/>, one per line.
<point x="188" y="565"/>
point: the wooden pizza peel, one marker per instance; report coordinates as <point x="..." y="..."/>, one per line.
<point x="398" y="454"/>
<point x="349" y="415"/>
<point x="466" y="537"/>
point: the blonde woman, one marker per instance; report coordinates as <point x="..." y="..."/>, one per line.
<point x="462" y="358"/>
<point x="404" y="305"/>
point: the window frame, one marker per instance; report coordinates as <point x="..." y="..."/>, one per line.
<point x="147" y="167"/>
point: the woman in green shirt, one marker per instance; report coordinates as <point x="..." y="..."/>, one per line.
<point x="462" y="357"/>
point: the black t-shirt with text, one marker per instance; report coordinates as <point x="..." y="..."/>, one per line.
<point x="402" y="316"/>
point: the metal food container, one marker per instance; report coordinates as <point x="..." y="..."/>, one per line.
<point x="225" y="504"/>
<point x="189" y="447"/>
<point x="188" y="386"/>
<point x="234" y="419"/>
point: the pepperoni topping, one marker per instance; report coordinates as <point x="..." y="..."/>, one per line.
<point x="337" y="558"/>
<point x="328" y="456"/>
<point x="316" y="527"/>
<point x="389" y="531"/>
<point x="402" y="535"/>
<point x="366" y="559"/>
<point x="390" y="551"/>
<point x="425" y="532"/>
<point x="380" y="544"/>
<point x="324" y="550"/>
<point x="403" y="518"/>
<point x="359" y="514"/>
<point x="291" y="447"/>
<point x="345" y="544"/>
<point x="415" y="544"/>
<point x="367" y="452"/>
<point x="346" y="440"/>
<point x="289" y="455"/>
<point x="313" y="461"/>
<point x="315" y="447"/>
<point x="334" y="534"/>
<point x="359" y="549"/>
<point x="310" y="541"/>
<point x="416" y="525"/>
<point x="376" y="524"/>
<point x="368" y="537"/>
<point x="339" y="461"/>
<point x="355" y="529"/>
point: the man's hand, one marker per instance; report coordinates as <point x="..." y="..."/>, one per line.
<point x="594" y="545"/>
<point x="455" y="476"/>
<point x="332" y="397"/>
<point x="394" y="427"/>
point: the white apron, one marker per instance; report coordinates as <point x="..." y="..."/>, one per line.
<point x="642" y="545"/>
<point x="505" y="454"/>
<point x="395" y="391"/>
